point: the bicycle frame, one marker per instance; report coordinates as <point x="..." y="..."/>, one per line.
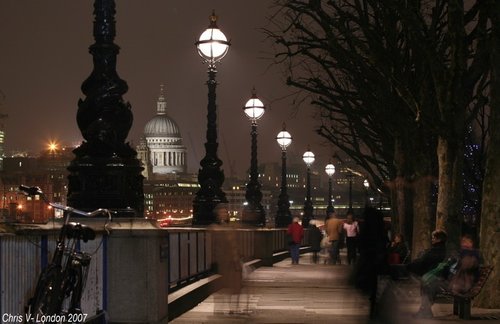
<point x="57" y="282"/>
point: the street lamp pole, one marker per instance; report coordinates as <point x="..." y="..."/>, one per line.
<point x="330" y="171"/>
<point x="212" y="47"/>
<point x="308" y="158"/>
<point x="366" y="184"/>
<point x="283" y="216"/>
<point x="349" y="176"/>
<point x="253" y="213"/>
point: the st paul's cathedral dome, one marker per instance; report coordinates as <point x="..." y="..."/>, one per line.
<point x="161" y="149"/>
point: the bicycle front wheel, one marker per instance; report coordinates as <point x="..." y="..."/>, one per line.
<point x="73" y="283"/>
<point x="48" y="295"/>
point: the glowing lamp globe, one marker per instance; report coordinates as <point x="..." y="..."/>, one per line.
<point x="254" y="108"/>
<point x="284" y="139"/>
<point x="330" y="169"/>
<point x="212" y="44"/>
<point x="308" y="158"/>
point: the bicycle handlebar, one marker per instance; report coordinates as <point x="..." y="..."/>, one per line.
<point x="33" y="191"/>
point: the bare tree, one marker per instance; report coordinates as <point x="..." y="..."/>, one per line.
<point x="394" y="81"/>
<point x="347" y="62"/>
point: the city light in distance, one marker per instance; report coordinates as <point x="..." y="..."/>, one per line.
<point x="52" y="146"/>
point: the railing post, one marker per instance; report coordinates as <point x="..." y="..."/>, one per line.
<point x="263" y="245"/>
<point x="137" y="273"/>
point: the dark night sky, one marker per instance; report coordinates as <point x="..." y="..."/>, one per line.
<point x="44" y="59"/>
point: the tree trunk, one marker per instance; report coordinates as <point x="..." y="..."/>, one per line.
<point x="449" y="205"/>
<point x="407" y="226"/>
<point x="490" y="219"/>
<point x="398" y="191"/>
<point x="423" y="219"/>
<point x="398" y="217"/>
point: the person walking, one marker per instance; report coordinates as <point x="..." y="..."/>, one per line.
<point x="315" y="237"/>
<point x="227" y="262"/>
<point x="352" y="231"/>
<point x="372" y="261"/>
<point x="295" y="233"/>
<point x="334" y="229"/>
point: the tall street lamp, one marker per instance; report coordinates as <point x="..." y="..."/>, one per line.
<point x="283" y="216"/>
<point x="330" y="171"/>
<point x="105" y="172"/>
<point x="308" y="158"/>
<point x="253" y="213"/>
<point x="366" y="184"/>
<point x="212" y="47"/>
<point x="349" y="177"/>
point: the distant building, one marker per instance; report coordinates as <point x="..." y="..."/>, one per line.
<point x="2" y="141"/>
<point x="160" y="149"/>
<point x="235" y="191"/>
<point x="2" y="131"/>
<point x="169" y="199"/>
<point x="47" y="171"/>
<point x="168" y="189"/>
<point x="270" y="178"/>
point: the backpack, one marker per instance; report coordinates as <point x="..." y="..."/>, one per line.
<point x="438" y="273"/>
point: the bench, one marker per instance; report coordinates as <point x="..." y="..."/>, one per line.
<point x="462" y="302"/>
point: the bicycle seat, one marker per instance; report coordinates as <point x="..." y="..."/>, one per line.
<point x="79" y="231"/>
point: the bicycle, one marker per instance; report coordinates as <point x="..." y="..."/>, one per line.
<point x="61" y="283"/>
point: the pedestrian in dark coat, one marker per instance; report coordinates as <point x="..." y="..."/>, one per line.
<point x="315" y="237"/>
<point x="430" y="258"/>
<point x="372" y="261"/>
<point x="397" y="251"/>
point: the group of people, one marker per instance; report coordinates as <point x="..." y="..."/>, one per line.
<point x="378" y="256"/>
<point x="438" y="270"/>
<point x="337" y="234"/>
<point x="341" y="234"/>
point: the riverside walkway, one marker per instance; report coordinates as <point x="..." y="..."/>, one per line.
<point x="315" y="293"/>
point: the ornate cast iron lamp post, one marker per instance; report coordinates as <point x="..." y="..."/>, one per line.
<point x="212" y="47"/>
<point x="283" y="217"/>
<point x="105" y="172"/>
<point x="349" y="177"/>
<point x="308" y="158"/>
<point x="366" y="184"/>
<point x="253" y="213"/>
<point x="330" y="171"/>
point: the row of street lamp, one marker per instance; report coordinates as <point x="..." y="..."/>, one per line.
<point x="212" y="46"/>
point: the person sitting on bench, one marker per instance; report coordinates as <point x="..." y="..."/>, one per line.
<point x="456" y="275"/>
<point x="430" y="258"/>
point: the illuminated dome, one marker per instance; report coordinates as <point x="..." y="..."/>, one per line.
<point x="162" y="125"/>
<point x="161" y="151"/>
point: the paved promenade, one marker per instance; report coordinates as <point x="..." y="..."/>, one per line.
<point x="315" y="293"/>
